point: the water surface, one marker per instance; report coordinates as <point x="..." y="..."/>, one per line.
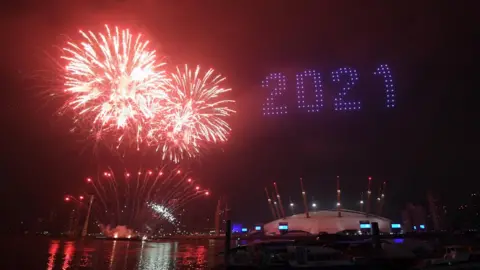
<point x="52" y="254"/>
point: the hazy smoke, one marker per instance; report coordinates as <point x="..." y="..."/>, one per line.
<point x="117" y="232"/>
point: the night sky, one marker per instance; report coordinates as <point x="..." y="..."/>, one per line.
<point x="427" y="142"/>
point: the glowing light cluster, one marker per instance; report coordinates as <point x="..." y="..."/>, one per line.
<point x="277" y="82"/>
<point x="164" y="212"/>
<point x="317" y="91"/>
<point x="340" y="103"/>
<point x="384" y="70"/>
<point x="113" y="81"/>
<point x="119" y="91"/>
<point x="193" y="114"/>
<point x="310" y="97"/>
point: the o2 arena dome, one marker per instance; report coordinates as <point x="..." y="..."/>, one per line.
<point x="327" y="221"/>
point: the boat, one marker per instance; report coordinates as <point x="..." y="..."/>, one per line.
<point x="455" y="254"/>
<point x="271" y="253"/>
<point x="314" y="256"/>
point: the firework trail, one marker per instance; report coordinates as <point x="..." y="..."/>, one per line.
<point x="133" y="199"/>
<point x="113" y="82"/>
<point x="193" y="114"/>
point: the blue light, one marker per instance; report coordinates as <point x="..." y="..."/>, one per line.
<point x="283" y="227"/>
<point x="384" y="70"/>
<point x="396" y="226"/>
<point x="398" y="240"/>
<point x="309" y="83"/>
<point x="340" y="103"/>
<point x="365" y="226"/>
<point x="236" y="228"/>
<point x="422" y="227"/>
<point x="244" y="230"/>
<point x="415" y="228"/>
<point x="258" y="228"/>
<point x="317" y="91"/>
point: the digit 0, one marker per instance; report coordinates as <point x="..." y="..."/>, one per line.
<point x="317" y="91"/>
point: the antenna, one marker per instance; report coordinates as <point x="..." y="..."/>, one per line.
<point x="379" y="200"/>
<point x="338" y="197"/>
<point x="217" y="217"/>
<point x="432" y="203"/>
<point x="382" y="198"/>
<point x="369" y="193"/>
<point x="361" y="202"/>
<point x="304" y="194"/>
<point x="291" y="205"/>
<point x="279" y="200"/>
<point x="270" y="204"/>
<point x="276" y="207"/>
<point x="226" y="214"/>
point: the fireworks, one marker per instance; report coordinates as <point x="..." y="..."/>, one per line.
<point x="113" y="82"/>
<point x="193" y="114"/>
<point x="163" y="212"/>
<point x="117" y="88"/>
<point x="133" y="199"/>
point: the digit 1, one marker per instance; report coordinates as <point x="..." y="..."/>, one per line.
<point x="277" y="82"/>
<point x="384" y="70"/>
<point x="340" y="104"/>
<point x="318" y="91"/>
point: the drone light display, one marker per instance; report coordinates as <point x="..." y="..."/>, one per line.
<point x="310" y="91"/>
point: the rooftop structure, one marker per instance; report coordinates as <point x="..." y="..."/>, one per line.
<point x="327" y="221"/>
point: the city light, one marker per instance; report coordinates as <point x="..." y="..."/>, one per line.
<point x="314" y="205"/>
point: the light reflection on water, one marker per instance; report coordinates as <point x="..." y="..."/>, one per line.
<point x="44" y="253"/>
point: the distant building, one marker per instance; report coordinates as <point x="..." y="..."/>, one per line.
<point x="413" y="217"/>
<point x="436" y="212"/>
<point x="327" y="221"/>
<point x="467" y="215"/>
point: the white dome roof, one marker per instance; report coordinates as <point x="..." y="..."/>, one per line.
<point x="327" y="221"/>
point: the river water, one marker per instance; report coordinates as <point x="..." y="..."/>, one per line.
<point x="52" y="254"/>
